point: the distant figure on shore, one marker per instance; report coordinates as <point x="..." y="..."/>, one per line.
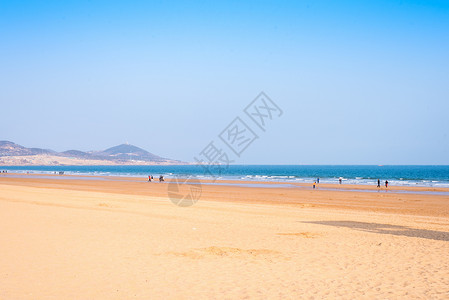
<point x="318" y="180"/>
<point x="314" y="184"/>
<point x="149" y="178"/>
<point x="378" y="183"/>
<point x="340" y="179"/>
<point x="386" y="183"/>
<point x="161" y="178"/>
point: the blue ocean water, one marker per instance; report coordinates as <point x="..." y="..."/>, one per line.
<point x="435" y="176"/>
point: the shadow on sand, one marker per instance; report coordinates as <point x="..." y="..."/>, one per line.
<point x="388" y="229"/>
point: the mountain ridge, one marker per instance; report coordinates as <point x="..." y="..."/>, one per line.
<point x="12" y="154"/>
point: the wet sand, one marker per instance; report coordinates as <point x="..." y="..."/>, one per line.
<point x="119" y="238"/>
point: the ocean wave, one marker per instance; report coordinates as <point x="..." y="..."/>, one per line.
<point x="427" y="176"/>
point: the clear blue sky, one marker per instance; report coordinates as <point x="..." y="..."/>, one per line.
<point x="360" y="82"/>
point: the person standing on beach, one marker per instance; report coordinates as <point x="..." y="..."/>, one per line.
<point x="149" y="178"/>
<point x="378" y="183"/>
<point x="386" y="183"/>
<point x="314" y="184"/>
<point x="339" y="179"/>
<point x="318" y="180"/>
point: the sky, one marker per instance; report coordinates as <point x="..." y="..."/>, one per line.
<point x="358" y="82"/>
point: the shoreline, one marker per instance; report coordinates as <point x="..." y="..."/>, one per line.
<point x="403" y="176"/>
<point x="249" y="183"/>
<point x="406" y="200"/>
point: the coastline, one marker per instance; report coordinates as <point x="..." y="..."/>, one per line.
<point x="410" y="176"/>
<point x="396" y="199"/>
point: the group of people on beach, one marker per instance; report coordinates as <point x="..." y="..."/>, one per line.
<point x="378" y="183"/>
<point x="341" y="179"/>
<point x="150" y="178"/>
<point x="316" y="182"/>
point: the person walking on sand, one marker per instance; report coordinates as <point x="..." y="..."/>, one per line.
<point x="314" y="184"/>
<point x="149" y="178"/>
<point x="386" y="184"/>
<point x="318" y="180"/>
<point x="378" y="183"/>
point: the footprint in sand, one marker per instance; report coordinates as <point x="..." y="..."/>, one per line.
<point x="307" y="235"/>
<point x="215" y="251"/>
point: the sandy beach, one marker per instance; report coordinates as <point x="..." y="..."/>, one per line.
<point x="122" y="238"/>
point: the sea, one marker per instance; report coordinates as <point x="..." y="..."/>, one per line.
<point x="418" y="175"/>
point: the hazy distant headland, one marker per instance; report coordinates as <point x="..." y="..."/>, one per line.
<point x="12" y="154"/>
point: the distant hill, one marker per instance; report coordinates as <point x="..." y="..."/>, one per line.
<point x="14" y="154"/>
<point x="12" y="149"/>
<point x="76" y="153"/>
<point x="128" y="152"/>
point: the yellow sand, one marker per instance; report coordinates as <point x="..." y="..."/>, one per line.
<point x="76" y="239"/>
